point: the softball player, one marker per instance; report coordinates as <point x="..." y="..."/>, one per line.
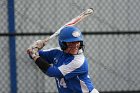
<point x="70" y="66"/>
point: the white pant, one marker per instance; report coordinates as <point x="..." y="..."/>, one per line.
<point x="94" y="91"/>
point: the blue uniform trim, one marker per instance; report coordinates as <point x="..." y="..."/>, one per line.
<point x="12" y="47"/>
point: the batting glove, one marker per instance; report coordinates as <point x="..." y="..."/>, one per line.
<point x="39" y="44"/>
<point x="33" y="54"/>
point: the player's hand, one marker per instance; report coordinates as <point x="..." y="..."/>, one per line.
<point x="39" y="44"/>
<point x="33" y="53"/>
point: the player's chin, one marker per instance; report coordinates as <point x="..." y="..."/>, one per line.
<point x="74" y="52"/>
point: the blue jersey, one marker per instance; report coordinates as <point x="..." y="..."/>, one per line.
<point x="70" y="71"/>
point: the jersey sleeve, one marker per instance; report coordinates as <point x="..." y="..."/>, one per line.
<point x="53" y="72"/>
<point x="76" y="67"/>
<point x="48" y="55"/>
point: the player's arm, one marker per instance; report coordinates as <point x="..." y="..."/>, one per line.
<point x="47" y="68"/>
<point x="43" y="65"/>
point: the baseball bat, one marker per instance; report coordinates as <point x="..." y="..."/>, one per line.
<point x="72" y="22"/>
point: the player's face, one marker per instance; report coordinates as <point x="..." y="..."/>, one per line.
<point x="72" y="47"/>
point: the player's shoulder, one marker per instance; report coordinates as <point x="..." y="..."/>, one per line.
<point x="80" y="55"/>
<point x="78" y="59"/>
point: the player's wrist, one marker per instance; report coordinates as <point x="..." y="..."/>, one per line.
<point x="33" y="53"/>
<point x="35" y="57"/>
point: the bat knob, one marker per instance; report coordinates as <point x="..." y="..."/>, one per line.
<point x="90" y="10"/>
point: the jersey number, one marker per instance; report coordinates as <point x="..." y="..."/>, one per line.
<point x="62" y="83"/>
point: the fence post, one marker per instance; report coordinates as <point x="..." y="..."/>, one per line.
<point x="12" y="47"/>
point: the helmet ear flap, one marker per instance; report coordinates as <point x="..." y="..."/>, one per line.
<point x="82" y="46"/>
<point x="63" y="46"/>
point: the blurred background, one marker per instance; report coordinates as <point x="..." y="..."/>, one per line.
<point x="111" y="36"/>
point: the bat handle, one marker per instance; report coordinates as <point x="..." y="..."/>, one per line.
<point x="46" y="40"/>
<point x="53" y="35"/>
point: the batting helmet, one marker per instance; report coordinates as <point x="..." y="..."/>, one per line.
<point x="69" y="34"/>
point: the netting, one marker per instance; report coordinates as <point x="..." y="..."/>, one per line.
<point x="4" y="53"/>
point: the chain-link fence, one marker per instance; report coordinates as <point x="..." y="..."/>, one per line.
<point x="111" y="36"/>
